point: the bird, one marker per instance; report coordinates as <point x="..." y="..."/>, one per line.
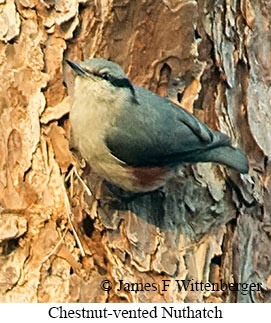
<point x="132" y="137"/>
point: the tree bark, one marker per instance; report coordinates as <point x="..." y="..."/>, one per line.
<point x="58" y="244"/>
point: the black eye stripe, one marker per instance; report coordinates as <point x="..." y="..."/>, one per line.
<point x="117" y="82"/>
<point x="123" y="82"/>
<point x="106" y="76"/>
<point x="96" y="74"/>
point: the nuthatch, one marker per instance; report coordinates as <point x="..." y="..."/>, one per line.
<point x="134" y="138"/>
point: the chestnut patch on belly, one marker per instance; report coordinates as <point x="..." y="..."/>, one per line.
<point x="148" y="176"/>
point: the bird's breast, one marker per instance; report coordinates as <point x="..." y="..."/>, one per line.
<point x="91" y="117"/>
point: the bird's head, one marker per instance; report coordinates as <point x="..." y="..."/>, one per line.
<point x="108" y="77"/>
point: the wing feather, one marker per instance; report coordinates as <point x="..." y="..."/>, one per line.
<point x="156" y="132"/>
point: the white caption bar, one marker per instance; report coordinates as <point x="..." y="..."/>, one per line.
<point x="94" y="312"/>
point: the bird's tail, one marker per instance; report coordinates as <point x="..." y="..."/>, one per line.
<point x="228" y="156"/>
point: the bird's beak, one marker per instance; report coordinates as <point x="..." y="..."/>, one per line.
<point x="76" y="67"/>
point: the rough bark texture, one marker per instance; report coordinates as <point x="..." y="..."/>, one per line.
<point x="208" y="224"/>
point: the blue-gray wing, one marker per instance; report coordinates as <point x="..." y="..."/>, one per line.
<point x="156" y="132"/>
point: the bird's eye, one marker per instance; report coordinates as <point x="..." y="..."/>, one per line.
<point x="105" y="76"/>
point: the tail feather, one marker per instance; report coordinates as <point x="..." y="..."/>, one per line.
<point x="228" y="156"/>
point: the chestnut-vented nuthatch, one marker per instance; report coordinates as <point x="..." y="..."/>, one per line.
<point x="134" y="138"/>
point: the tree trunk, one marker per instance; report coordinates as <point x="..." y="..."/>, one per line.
<point x="209" y="224"/>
